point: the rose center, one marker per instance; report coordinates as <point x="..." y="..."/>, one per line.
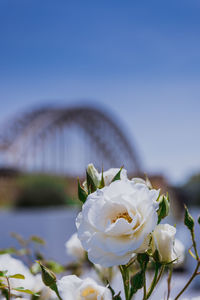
<point x="123" y="215"/>
<point x="89" y="294"/>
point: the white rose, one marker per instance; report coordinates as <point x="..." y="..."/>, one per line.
<point x="179" y="249"/>
<point x="107" y="175"/>
<point x="116" y="220"/>
<point x="15" y="266"/>
<point x="111" y="173"/>
<point x="142" y="181"/>
<point x="74" y="247"/>
<point x="163" y="238"/>
<point x="73" y="288"/>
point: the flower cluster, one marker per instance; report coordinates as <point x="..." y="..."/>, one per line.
<point x="120" y="219"/>
<point x="120" y="231"/>
<point x="119" y="225"/>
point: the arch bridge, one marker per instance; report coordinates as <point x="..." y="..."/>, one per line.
<point x="64" y="140"/>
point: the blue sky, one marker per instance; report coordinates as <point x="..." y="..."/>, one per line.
<point x="140" y="59"/>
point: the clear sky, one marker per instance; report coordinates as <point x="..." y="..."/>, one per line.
<point x="140" y="59"/>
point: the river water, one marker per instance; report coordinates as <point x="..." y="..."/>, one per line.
<point x="56" y="225"/>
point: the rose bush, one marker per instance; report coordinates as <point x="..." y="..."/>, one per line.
<point x="116" y="220"/>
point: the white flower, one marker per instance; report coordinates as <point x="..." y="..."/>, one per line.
<point x="179" y="249"/>
<point x="15" y="266"/>
<point x="116" y="220"/>
<point x="111" y="173"/>
<point x="73" y="288"/>
<point x="74" y="247"/>
<point x="163" y="238"/>
<point x="142" y="181"/>
<point x="107" y="175"/>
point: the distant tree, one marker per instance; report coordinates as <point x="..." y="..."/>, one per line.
<point x="43" y="190"/>
<point x="192" y="189"/>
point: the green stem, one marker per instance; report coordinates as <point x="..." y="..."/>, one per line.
<point x="194" y="245"/>
<point x="194" y="274"/>
<point x="125" y="276"/>
<point x="55" y="289"/>
<point x="144" y="287"/>
<point x="131" y="262"/>
<point x="9" y="296"/>
<point x="153" y="283"/>
<point x="169" y="281"/>
<point x="161" y="272"/>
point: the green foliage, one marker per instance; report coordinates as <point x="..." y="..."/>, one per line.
<point x="156" y="256"/>
<point x="17" y="276"/>
<point x="3" y="273"/>
<point x="163" y="209"/>
<point x="118" y="175"/>
<point x="90" y="183"/>
<point x="36" y="239"/>
<point x="102" y="183"/>
<point x="143" y="259"/>
<point x="48" y="277"/>
<point x="26" y="291"/>
<point x="55" y="267"/>
<point x="137" y="282"/>
<point x="188" y="220"/>
<point x="42" y="191"/>
<point x="82" y="195"/>
<point x="191" y="190"/>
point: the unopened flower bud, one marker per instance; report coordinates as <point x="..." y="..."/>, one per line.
<point x="48" y="277"/>
<point x="92" y="171"/>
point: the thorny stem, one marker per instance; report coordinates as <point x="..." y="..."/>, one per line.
<point x="125" y="276"/>
<point x="194" y="274"/>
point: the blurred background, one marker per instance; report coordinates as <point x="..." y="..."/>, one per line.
<point x="109" y="82"/>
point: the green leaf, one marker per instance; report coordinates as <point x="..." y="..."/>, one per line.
<point x="137" y="282"/>
<point x="192" y="254"/>
<point x="8" y="251"/>
<point x="55" y="267"/>
<point x="17" y="276"/>
<point x="90" y="183"/>
<point x="156" y="256"/>
<point x="26" y="291"/>
<point x="117" y="297"/>
<point x="199" y="220"/>
<point x="143" y="259"/>
<point x="110" y="288"/>
<point x="19" y="238"/>
<point x="3" y="273"/>
<point x="37" y="239"/>
<point x="188" y="219"/>
<point x="163" y="209"/>
<point x="82" y="195"/>
<point x="118" y="175"/>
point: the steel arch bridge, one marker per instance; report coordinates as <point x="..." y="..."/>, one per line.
<point x="64" y="140"/>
